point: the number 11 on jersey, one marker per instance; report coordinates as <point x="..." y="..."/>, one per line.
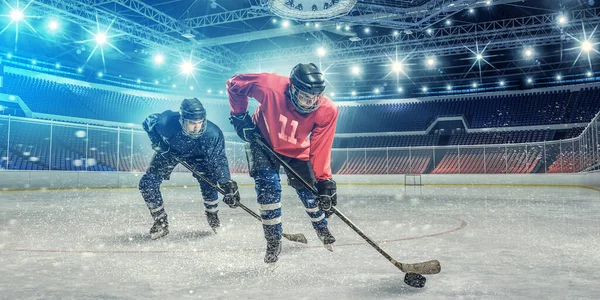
<point x="294" y="124"/>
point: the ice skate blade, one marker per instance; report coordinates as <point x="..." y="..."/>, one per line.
<point x="328" y="247"/>
<point x="158" y="235"/>
<point x="272" y="267"/>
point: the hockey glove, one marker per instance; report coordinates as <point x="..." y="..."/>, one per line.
<point x="161" y="148"/>
<point x="327" y="195"/>
<point x="232" y="195"/>
<point x="243" y="125"/>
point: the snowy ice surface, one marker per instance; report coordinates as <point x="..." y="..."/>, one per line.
<point x="518" y="243"/>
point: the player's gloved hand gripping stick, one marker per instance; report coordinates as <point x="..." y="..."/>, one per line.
<point x="294" y="237"/>
<point x="412" y="278"/>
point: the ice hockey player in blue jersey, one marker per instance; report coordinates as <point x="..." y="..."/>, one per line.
<point x="187" y="136"/>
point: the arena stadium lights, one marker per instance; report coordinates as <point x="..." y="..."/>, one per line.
<point x="448" y="22"/>
<point x="478" y="57"/>
<point x="430" y="61"/>
<point x="321" y="51"/>
<point x="355" y="70"/>
<point x="488" y="2"/>
<point x="588" y="74"/>
<point x="474" y="85"/>
<point x="174" y="86"/>
<point x="347" y="27"/>
<point x="398" y="67"/>
<point x="317" y="25"/>
<point x="367" y="30"/>
<point x="138" y="81"/>
<point x="562" y="19"/>
<point x="100" y="38"/>
<point x="449" y="87"/>
<point x="57" y="65"/>
<point x="155" y="81"/>
<point x="424" y="89"/>
<point x="79" y="70"/>
<point x="587" y="46"/>
<point x="100" y="74"/>
<point x="528" y="53"/>
<point x="187" y="68"/>
<point x="53" y="26"/>
<point x="558" y="77"/>
<point x="338" y="27"/>
<point x="376" y="91"/>
<point x="220" y="92"/>
<point x="158" y="59"/>
<point x="191" y="87"/>
<point x="429" y="31"/>
<point x="529" y="80"/>
<point x="274" y="21"/>
<point x="209" y="91"/>
<point x="285" y="24"/>
<point x="332" y="94"/>
<point x="396" y="33"/>
<point x="16" y="15"/>
<point x="33" y="62"/>
<point x="9" y="56"/>
<point x="471" y="11"/>
<point x="502" y="83"/>
<point x="400" y="90"/>
<point x="353" y="93"/>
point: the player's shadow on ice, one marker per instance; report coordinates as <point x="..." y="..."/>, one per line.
<point x="173" y="236"/>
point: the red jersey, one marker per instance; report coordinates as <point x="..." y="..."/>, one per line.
<point x="307" y="137"/>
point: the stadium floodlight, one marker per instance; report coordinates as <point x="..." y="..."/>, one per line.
<point x="155" y="81"/>
<point x="57" y="65"/>
<point x="174" y="86"/>
<point x="274" y="21"/>
<point x="471" y="11"/>
<point x="9" y="55"/>
<point x="479" y="57"/>
<point x="33" y="62"/>
<point x="589" y="74"/>
<point x="429" y="31"/>
<point x="338" y="27"/>
<point x="400" y="90"/>
<point x="430" y="61"/>
<point x="587" y="46"/>
<point x="209" y="91"/>
<point x="474" y="85"/>
<point x="448" y="22"/>
<point x="53" y="25"/>
<point x="528" y="52"/>
<point x="396" y="33"/>
<point x="220" y="92"/>
<point x="488" y="2"/>
<point x="562" y="20"/>
<point x="317" y="25"/>
<point x="100" y="38"/>
<point x="397" y="67"/>
<point x="376" y="91"/>
<point x="79" y="70"/>
<point x="424" y="89"/>
<point x="558" y="77"/>
<point x="529" y="80"/>
<point x="332" y="94"/>
<point x="159" y="59"/>
<point x="449" y="87"/>
<point x="285" y="24"/>
<point x="367" y="30"/>
<point x="16" y="15"/>
<point x="139" y="81"/>
<point x="321" y="51"/>
<point x="355" y="70"/>
<point x="100" y="74"/>
<point x="502" y="83"/>
<point x="187" y="67"/>
<point x="353" y="93"/>
<point x="191" y="87"/>
<point x="347" y="27"/>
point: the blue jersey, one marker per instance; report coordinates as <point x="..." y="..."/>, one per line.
<point x="207" y="151"/>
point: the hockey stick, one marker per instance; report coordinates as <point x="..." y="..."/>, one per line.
<point x="428" y="267"/>
<point x="294" y="237"/>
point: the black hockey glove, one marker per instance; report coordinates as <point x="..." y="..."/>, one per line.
<point x="327" y="195"/>
<point x="243" y="126"/>
<point x="232" y="195"/>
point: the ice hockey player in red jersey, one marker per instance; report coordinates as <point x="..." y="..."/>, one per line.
<point x="298" y="122"/>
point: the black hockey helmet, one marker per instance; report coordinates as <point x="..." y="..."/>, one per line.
<point x="307" y="84"/>
<point x="192" y="110"/>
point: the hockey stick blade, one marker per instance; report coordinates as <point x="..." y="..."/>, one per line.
<point x="428" y="267"/>
<point x="296" y="237"/>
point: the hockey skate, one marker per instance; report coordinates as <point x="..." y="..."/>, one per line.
<point x="326" y="238"/>
<point x="160" y="228"/>
<point x="273" y="250"/>
<point x="213" y="220"/>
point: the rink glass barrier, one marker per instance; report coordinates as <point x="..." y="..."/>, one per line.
<point x="31" y="144"/>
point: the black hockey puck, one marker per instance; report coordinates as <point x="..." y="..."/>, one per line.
<point x="415" y="280"/>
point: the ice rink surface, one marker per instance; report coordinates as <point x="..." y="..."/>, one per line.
<point x="493" y="243"/>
